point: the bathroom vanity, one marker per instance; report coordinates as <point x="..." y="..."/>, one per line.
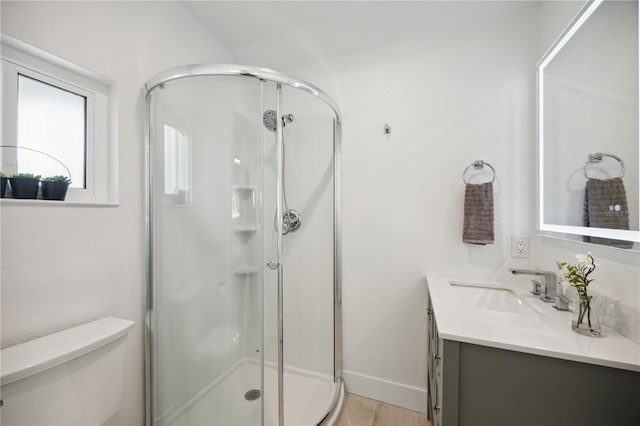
<point x="499" y="356"/>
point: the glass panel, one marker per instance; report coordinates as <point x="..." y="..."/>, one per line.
<point x="207" y="253"/>
<point x="307" y="261"/>
<point x="271" y="409"/>
<point x="215" y="316"/>
<point x="588" y="136"/>
<point x="51" y="120"/>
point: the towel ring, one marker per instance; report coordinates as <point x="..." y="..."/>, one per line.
<point x="598" y="157"/>
<point x="477" y="165"/>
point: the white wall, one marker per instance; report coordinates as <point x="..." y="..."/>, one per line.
<point x="62" y="266"/>
<point x="450" y="99"/>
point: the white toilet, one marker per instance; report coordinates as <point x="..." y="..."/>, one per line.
<point x="73" y="377"/>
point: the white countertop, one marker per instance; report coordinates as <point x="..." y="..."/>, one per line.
<point x="537" y="328"/>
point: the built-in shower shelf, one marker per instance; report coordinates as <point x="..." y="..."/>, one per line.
<point x="245" y="229"/>
<point x="244" y="191"/>
<point x="245" y="270"/>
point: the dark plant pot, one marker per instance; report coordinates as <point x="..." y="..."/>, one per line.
<point x="24" y="188"/>
<point x="3" y="186"/>
<point x="54" y="190"/>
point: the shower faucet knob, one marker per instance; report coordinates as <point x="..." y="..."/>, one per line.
<point x="273" y="264"/>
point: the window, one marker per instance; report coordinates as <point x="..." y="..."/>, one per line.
<point x="177" y="167"/>
<point x="55" y="120"/>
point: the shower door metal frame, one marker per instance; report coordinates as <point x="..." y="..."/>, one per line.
<point x="263" y="74"/>
<point x="279" y="251"/>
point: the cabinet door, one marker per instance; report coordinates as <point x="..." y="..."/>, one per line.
<point x="436" y="360"/>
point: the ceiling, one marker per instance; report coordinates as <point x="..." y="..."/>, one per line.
<point x="285" y="34"/>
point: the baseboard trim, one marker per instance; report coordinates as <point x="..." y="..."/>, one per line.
<point x="393" y="393"/>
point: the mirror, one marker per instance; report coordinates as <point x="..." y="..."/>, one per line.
<point x="588" y="128"/>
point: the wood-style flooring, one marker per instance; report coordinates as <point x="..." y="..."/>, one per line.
<point x="360" y="411"/>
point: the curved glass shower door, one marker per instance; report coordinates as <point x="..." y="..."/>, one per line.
<point x="207" y="251"/>
<point x="307" y="260"/>
<point x="242" y="306"/>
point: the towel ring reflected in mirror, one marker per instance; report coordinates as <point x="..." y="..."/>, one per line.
<point x="477" y="165"/>
<point x="598" y="157"/>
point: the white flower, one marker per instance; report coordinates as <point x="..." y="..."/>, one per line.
<point x="583" y="258"/>
<point x="586" y="259"/>
<point x="576" y="275"/>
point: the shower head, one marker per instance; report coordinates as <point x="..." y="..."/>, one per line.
<point x="269" y="119"/>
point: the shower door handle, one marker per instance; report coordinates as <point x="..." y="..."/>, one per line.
<point x="273" y="264"/>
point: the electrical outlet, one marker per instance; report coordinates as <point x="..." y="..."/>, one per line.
<point x="519" y="246"/>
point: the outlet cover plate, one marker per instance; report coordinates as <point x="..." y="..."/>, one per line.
<point x="519" y="246"/>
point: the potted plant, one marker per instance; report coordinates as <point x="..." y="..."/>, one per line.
<point x="55" y="187"/>
<point x="24" y="185"/>
<point x="3" y="184"/>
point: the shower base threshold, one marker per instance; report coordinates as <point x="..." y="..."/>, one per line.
<point x="307" y="397"/>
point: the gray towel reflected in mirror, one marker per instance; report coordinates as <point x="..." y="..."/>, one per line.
<point x="605" y="206"/>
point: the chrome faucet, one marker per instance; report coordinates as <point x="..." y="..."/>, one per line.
<point x="549" y="283"/>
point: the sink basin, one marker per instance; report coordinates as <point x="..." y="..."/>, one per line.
<point x="493" y="298"/>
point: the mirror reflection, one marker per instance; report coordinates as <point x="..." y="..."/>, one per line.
<point x="588" y="128"/>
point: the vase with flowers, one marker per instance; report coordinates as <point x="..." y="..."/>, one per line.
<point x="584" y="320"/>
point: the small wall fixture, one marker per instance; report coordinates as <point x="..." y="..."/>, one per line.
<point x="477" y="165"/>
<point x="597" y="157"/>
<point x="387" y="129"/>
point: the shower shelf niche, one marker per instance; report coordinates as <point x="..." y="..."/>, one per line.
<point x="244" y="191"/>
<point x="245" y="270"/>
<point x="245" y="229"/>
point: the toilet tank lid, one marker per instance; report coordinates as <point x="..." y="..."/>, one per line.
<point x="32" y="357"/>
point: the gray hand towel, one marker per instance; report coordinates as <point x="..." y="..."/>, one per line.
<point x="478" y="214"/>
<point x="605" y="206"/>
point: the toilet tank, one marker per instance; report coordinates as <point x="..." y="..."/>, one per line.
<point x="72" y="377"/>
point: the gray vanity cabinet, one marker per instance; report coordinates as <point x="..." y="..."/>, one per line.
<point x="478" y="385"/>
<point x="442" y="357"/>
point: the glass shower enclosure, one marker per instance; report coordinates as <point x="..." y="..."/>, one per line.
<point x="243" y="210"/>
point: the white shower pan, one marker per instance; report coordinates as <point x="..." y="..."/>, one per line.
<point x="307" y="396"/>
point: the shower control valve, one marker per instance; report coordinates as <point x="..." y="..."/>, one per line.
<point x="291" y="221"/>
<point x="273" y="264"/>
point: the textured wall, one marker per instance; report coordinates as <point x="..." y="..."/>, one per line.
<point x="62" y="266"/>
<point x="450" y="100"/>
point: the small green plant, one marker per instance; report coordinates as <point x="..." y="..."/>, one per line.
<point x="2" y="175"/>
<point x="25" y="176"/>
<point x="578" y="276"/>
<point x="57" y="178"/>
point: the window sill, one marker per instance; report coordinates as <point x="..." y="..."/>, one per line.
<point x="49" y="203"/>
